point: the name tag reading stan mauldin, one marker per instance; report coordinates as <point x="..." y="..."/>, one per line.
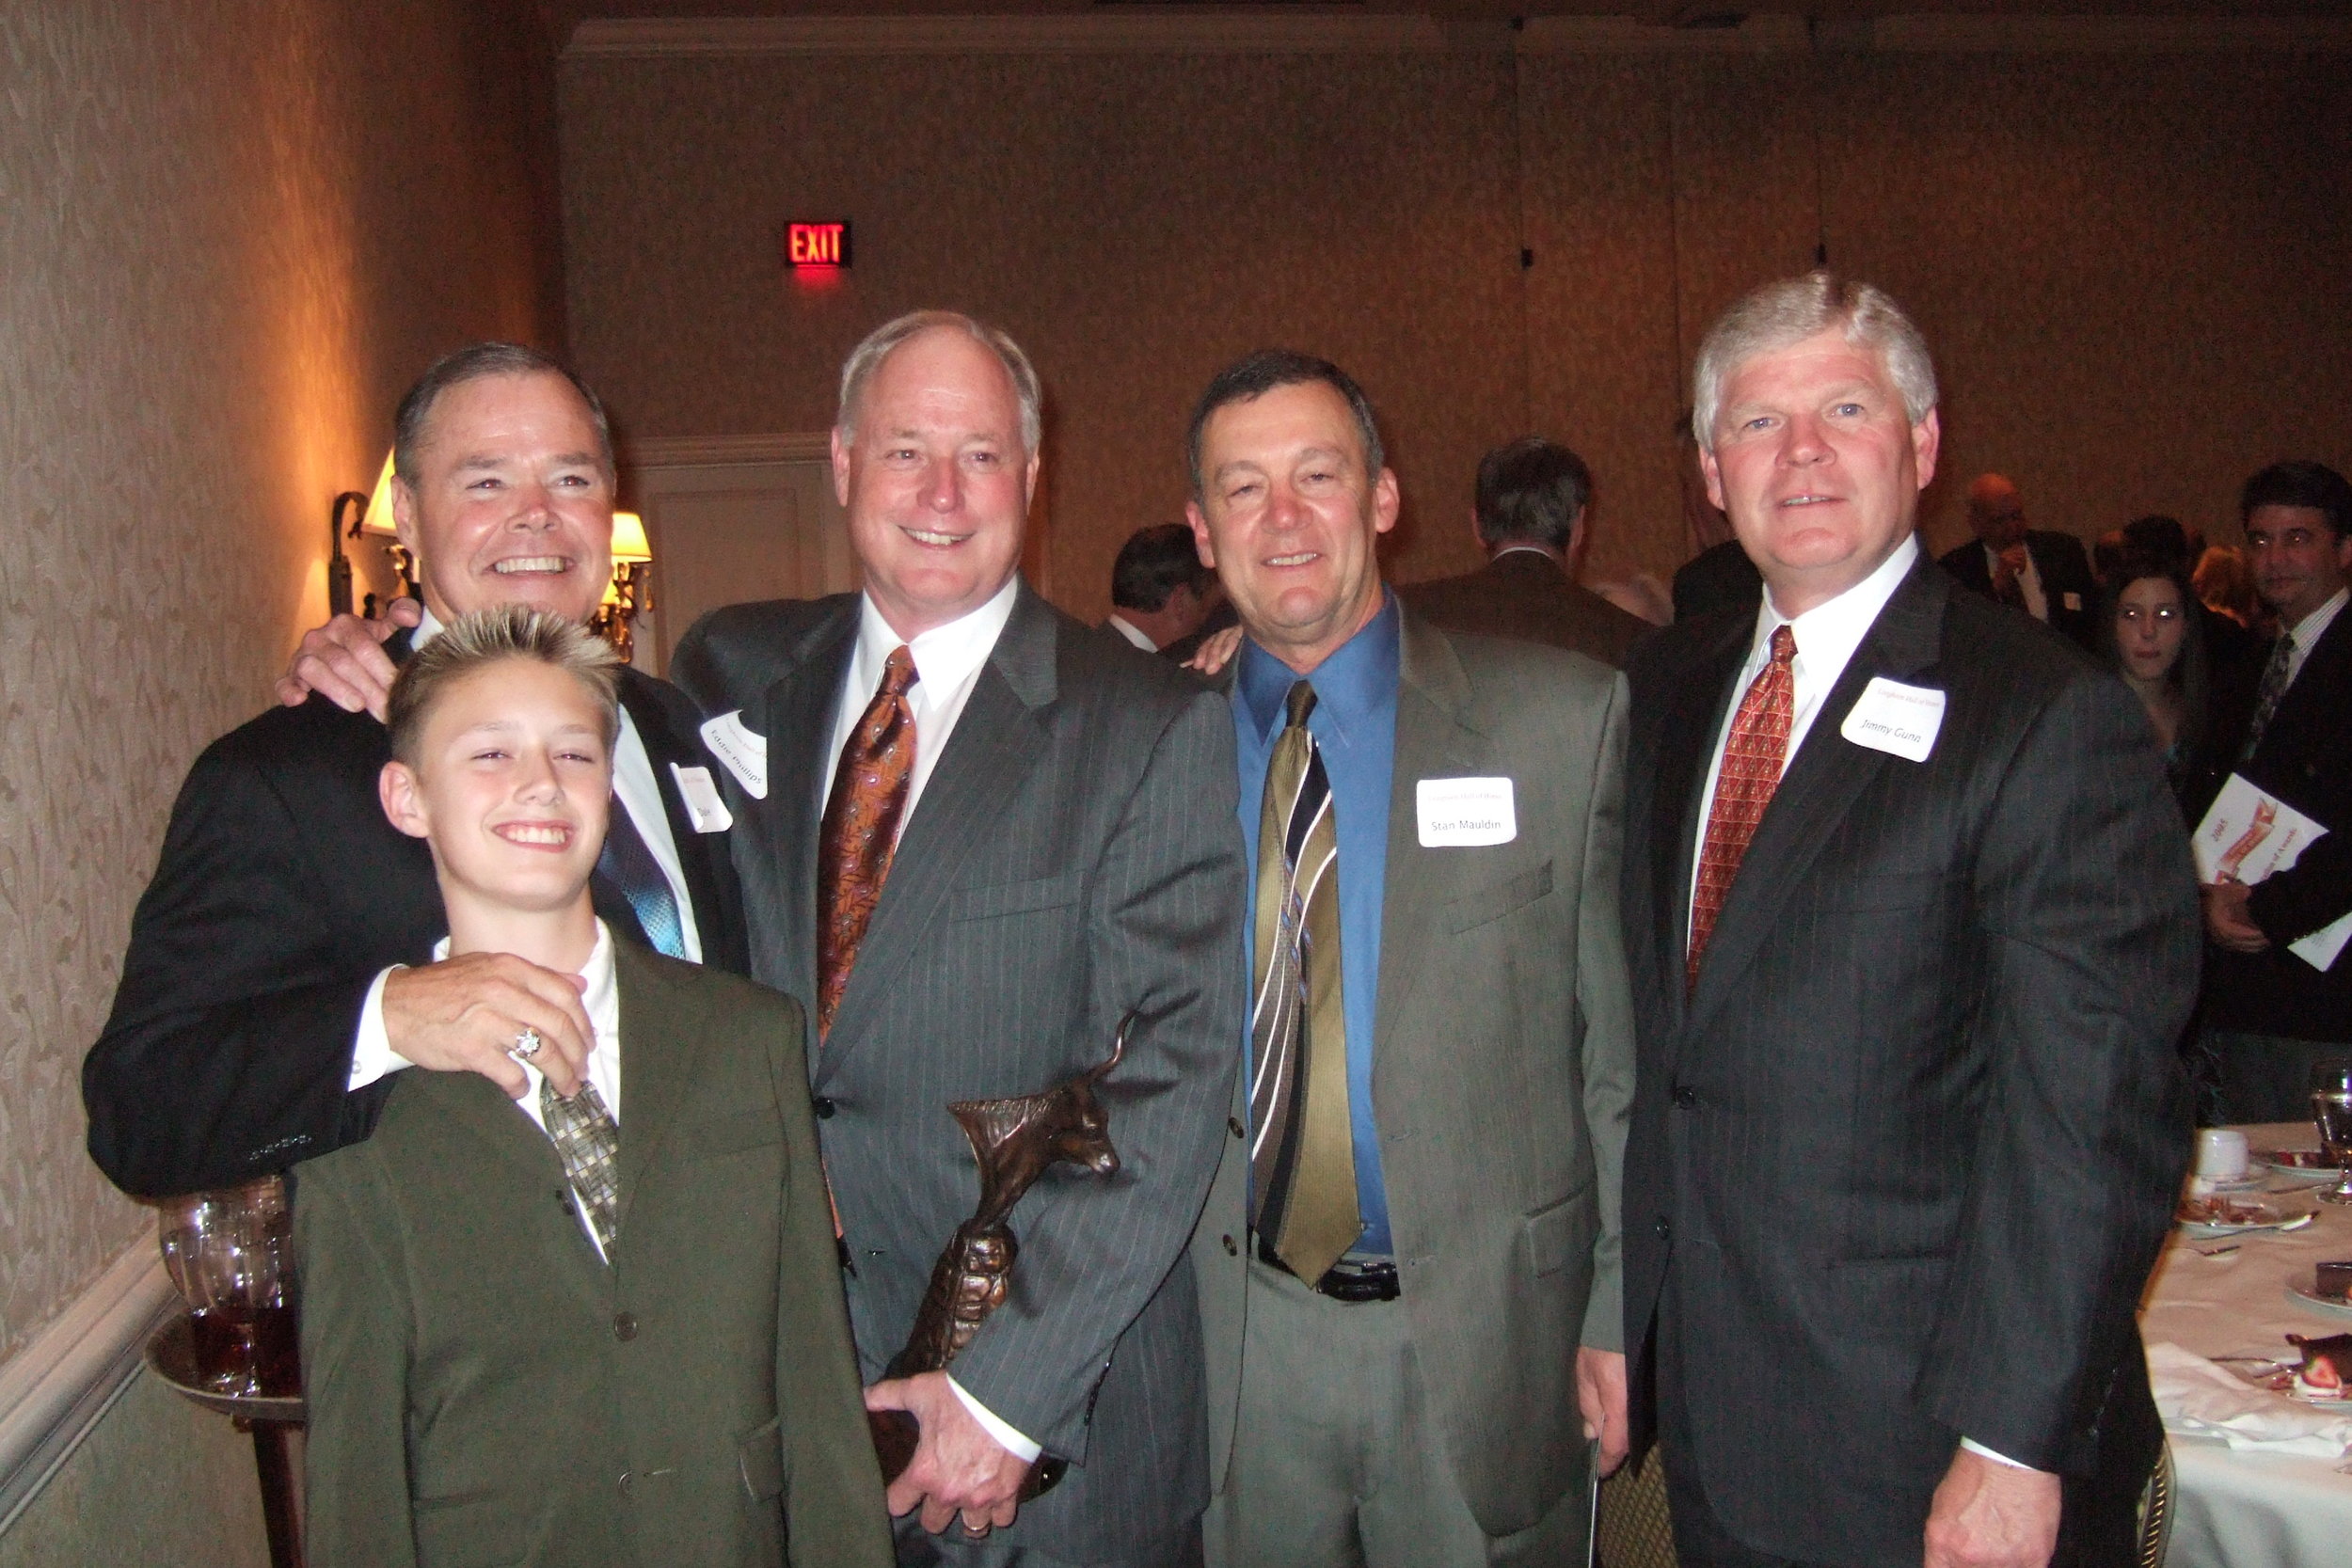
<point x="1457" y="814"/>
<point x="1899" y="719"/>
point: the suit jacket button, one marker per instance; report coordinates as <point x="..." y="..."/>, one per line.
<point x="628" y="1483"/>
<point x="1666" y="1231"/>
<point x="1685" y="1096"/>
<point x="625" y="1326"/>
<point x="825" y="1108"/>
<point x="1233" y="1249"/>
<point x="1233" y="1125"/>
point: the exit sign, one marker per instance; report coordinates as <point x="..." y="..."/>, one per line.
<point x="816" y="244"/>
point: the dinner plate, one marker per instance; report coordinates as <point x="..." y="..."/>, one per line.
<point x="2233" y="1215"/>
<point x="2335" y="1307"/>
<point x="2304" y="1166"/>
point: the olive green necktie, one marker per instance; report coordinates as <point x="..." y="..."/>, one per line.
<point x="1302" y="1154"/>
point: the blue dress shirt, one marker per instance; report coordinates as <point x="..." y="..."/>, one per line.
<point x="1354" y="724"/>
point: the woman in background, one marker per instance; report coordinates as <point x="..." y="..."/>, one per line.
<point x="2153" y="638"/>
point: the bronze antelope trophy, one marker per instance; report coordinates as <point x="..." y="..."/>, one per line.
<point x="1015" y="1141"/>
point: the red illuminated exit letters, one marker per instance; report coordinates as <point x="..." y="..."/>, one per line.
<point x="816" y="244"/>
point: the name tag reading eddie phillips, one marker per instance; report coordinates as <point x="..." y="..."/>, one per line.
<point x="1465" y="812"/>
<point x="1899" y="719"/>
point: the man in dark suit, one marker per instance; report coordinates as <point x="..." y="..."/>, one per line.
<point x="1530" y="520"/>
<point x="1048" y="816"/>
<point x="1409" y="1260"/>
<point x="2046" y="574"/>
<point x="1912" y="931"/>
<point x="278" y="971"/>
<point x="1162" y="597"/>
<point x="2269" y="1014"/>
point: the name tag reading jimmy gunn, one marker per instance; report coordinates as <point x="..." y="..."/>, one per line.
<point x="1899" y="719"/>
<point x="1460" y="813"/>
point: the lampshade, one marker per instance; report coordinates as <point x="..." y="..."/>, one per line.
<point x="378" y="519"/>
<point x="629" y="539"/>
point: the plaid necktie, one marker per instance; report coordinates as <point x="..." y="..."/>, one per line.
<point x="2274" y="685"/>
<point x="588" y="1141"/>
<point x="1752" y="754"/>
<point x="629" y="866"/>
<point x="860" y="831"/>
<point x="1302" y="1157"/>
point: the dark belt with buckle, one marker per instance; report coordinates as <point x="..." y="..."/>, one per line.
<point x="1345" y="1281"/>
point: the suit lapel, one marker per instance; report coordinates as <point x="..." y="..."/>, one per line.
<point x="1432" y="741"/>
<point x="659" y="1057"/>
<point x="997" y="741"/>
<point x="796" y="714"/>
<point x="504" y="1127"/>
<point x="1822" y="783"/>
<point x="664" y="747"/>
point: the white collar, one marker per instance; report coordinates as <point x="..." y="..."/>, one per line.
<point x="427" y="629"/>
<point x="1828" y="634"/>
<point x="2312" y="627"/>
<point x="945" y="657"/>
<point x="1133" y="633"/>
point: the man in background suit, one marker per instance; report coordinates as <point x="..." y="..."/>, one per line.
<point x="278" y="969"/>
<point x="1061" y="812"/>
<point x="2046" y="574"/>
<point x="1530" y="520"/>
<point x="2270" y="1015"/>
<point x="1910" y="927"/>
<point x="1162" y="598"/>
<point x="1409" y="1259"/>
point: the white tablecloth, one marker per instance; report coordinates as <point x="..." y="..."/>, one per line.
<point x="2252" y="1510"/>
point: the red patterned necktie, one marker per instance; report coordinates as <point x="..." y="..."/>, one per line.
<point x="1753" y="756"/>
<point x="861" y="829"/>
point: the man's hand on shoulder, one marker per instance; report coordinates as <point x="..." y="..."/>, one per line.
<point x="345" y="661"/>
<point x="957" y="1467"/>
<point x="1988" y="1514"/>
<point x="464" y="1015"/>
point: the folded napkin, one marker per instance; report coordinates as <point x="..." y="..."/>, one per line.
<point x="2197" y="1398"/>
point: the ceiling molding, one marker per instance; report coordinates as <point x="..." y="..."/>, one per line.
<point x="1268" y="33"/>
<point x="700" y="451"/>
<point x="1061" y="34"/>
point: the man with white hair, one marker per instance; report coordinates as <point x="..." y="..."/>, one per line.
<point x="1912" y="929"/>
<point x="974" y="836"/>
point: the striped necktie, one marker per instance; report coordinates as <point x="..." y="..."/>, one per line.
<point x="1302" y="1156"/>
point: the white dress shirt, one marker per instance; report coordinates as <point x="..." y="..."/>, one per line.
<point x="639" y="793"/>
<point x="947" y="663"/>
<point x="1827" y="636"/>
<point x="1127" y="630"/>
<point x="2310" y="629"/>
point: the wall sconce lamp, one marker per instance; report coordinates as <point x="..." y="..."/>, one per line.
<point x="630" y="591"/>
<point x="370" y="517"/>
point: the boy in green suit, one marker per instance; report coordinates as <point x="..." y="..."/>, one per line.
<point x="528" y="1337"/>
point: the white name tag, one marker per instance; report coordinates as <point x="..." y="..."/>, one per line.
<point x="1896" y="719"/>
<point x="1464" y="813"/>
<point x="704" y="808"/>
<point x="745" y="754"/>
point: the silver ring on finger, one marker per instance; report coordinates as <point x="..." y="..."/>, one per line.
<point x="974" y="1531"/>
<point x="526" y="1045"/>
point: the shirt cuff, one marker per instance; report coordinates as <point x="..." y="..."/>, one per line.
<point x="1977" y="1447"/>
<point x="1007" y="1438"/>
<point x="372" y="1054"/>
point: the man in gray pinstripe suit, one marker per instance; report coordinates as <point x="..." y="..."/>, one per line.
<point x="1426" y="1400"/>
<point x="1066" y="854"/>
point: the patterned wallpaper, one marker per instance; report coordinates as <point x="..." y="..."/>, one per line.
<point x="235" y="229"/>
<point x="2132" y="266"/>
